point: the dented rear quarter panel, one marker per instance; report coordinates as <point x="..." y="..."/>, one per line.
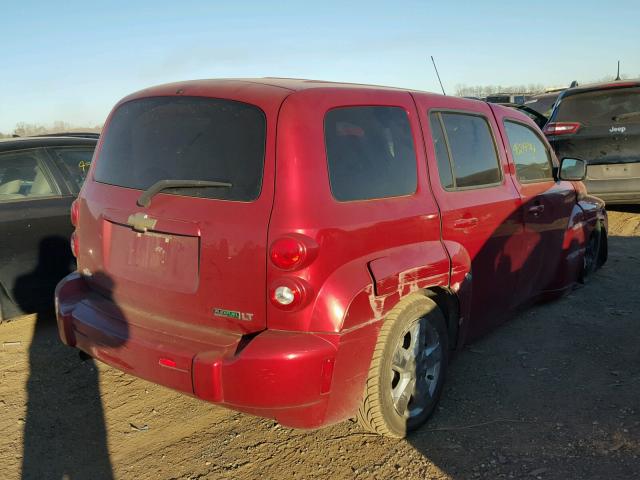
<point x="371" y="252"/>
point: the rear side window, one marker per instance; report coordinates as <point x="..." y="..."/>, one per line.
<point x="471" y="151"/>
<point x="532" y="159"/>
<point x="185" y="138"/>
<point x="22" y="177"/>
<point x="442" y="152"/>
<point x="602" y="107"/>
<point x="74" y="163"/>
<point x="370" y="153"/>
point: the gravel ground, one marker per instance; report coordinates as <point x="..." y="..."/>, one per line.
<point x="552" y="394"/>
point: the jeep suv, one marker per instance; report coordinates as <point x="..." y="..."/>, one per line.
<point x="601" y="125"/>
<point x="313" y="251"/>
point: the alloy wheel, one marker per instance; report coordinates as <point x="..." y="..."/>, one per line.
<point x="416" y="365"/>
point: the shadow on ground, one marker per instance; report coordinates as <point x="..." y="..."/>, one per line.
<point x="64" y="431"/>
<point x="624" y="208"/>
<point x="552" y="394"/>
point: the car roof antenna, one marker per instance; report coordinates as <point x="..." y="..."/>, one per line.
<point x="436" y="69"/>
<point x="618" y="76"/>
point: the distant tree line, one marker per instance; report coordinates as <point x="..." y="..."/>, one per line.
<point x="462" y="90"/>
<point x="24" y="129"/>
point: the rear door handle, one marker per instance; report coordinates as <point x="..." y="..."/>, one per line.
<point x="536" y="210"/>
<point x="463" y="223"/>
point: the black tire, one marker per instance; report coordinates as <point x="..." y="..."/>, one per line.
<point x="593" y="255"/>
<point x="604" y="248"/>
<point x="414" y="328"/>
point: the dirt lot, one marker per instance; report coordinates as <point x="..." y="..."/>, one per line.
<point x="555" y="393"/>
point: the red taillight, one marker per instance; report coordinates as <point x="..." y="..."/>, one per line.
<point x="74" y="244"/>
<point x="287" y="253"/>
<point x="561" y="128"/>
<point x="75" y="217"/>
<point x="75" y="213"/>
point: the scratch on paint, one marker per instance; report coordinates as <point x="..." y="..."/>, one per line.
<point x="377" y="303"/>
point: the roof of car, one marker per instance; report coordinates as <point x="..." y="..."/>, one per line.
<point x="601" y="86"/>
<point x="19" y="143"/>
<point x="268" y="86"/>
<point x="297" y="84"/>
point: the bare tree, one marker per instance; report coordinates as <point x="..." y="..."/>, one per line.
<point x="24" y="129"/>
<point x="463" y="90"/>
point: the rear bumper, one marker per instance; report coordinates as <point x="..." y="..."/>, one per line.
<point x="301" y="379"/>
<point x="618" y="197"/>
<point x="624" y="188"/>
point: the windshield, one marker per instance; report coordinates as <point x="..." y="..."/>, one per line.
<point x="185" y="138"/>
<point x="602" y="107"/>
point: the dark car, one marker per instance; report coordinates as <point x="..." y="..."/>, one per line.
<point x="39" y="179"/>
<point x="600" y="124"/>
<point x="507" y="98"/>
<point x="543" y="102"/>
<point x="539" y="119"/>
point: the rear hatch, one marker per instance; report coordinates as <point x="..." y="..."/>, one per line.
<point x="193" y="255"/>
<point x="607" y="122"/>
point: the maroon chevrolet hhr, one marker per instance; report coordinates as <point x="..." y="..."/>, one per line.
<point x="312" y="251"/>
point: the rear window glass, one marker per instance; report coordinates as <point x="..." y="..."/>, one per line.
<point x="473" y="151"/>
<point x="74" y="163"/>
<point x="185" y="138"/>
<point x="22" y="176"/>
<point x="370" y="153"/>
<point x="602" y="107"/>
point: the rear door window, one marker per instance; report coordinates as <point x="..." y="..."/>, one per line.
<point x="74" y="164"/>
<point x="185" y="138"/>
<point x="529" y="153"/>
<point x="23" y="176"/>
<point x="370" y="153"/>
<point x="442" y="152"/>
<point x="471" y="150"/>
<point x="602" y="107"/>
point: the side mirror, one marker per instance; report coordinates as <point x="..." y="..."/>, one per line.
<point x="572" y="169"/>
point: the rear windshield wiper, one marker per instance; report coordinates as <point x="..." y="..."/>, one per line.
<point x="149" y="193"/>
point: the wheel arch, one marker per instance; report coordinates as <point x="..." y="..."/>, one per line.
<point x="448" y="303"/>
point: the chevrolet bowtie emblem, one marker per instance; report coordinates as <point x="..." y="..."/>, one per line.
<point x="141" y="222"/>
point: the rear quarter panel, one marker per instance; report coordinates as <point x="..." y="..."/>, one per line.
<point x="371" y="252"/>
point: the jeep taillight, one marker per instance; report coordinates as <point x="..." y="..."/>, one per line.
<point x="561" y="128"/>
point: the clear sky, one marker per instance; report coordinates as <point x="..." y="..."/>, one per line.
<point x="73" y="60"/>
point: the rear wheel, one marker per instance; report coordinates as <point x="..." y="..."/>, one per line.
<point x="595" y="253"/>
<point x="407" y="370"/>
